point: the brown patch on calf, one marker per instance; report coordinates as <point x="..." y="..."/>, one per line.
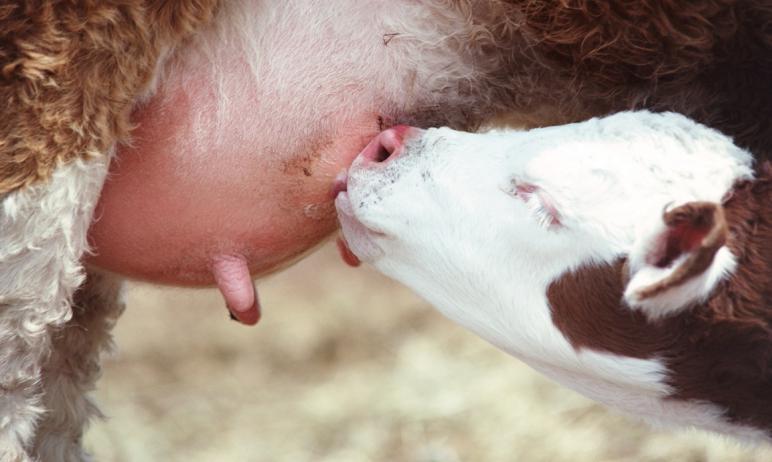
<point x="721" y="350"/>
<point x="586" y="308"/>
<point x="72" y="71"/>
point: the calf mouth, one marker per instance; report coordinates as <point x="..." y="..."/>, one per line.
<point x="356" y="242"/>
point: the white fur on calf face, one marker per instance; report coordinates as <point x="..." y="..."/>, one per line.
<point x="441" y="215"/>
<point x="481" y="224"/>
<point x="458" y="216"/>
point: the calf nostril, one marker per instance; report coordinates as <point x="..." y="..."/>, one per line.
<point x="387" y="145"/>
<point x="389" y="142"/>
<point x="382" y="153"/>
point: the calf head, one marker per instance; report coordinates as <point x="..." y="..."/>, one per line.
<point x="482" y="224"/>
<point x="549" y="240"/>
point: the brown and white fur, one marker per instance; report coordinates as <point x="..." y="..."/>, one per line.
<point x="626" y="257"/>
<point x="71" y="72"/>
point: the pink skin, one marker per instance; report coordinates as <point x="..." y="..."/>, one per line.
<point x="174" y="211"/>
<point x="229" y="174"/>
<point x="162" y="199"/>
<point x="235" y="283"/>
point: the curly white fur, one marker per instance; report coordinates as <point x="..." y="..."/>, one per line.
<point x="44" y="236"/>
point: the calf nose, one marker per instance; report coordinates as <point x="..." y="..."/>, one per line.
<point x="387" y="145"/>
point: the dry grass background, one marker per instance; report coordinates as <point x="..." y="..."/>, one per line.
<point x="346" y="366"/>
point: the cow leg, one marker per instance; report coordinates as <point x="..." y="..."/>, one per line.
<point x="42" y="238"/>
<point x="73" y="368"/>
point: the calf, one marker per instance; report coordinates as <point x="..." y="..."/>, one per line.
<point x="626" y="257"/>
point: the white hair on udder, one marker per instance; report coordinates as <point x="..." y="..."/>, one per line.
<point x="424" y="47"/>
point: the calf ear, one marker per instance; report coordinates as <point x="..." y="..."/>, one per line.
<point x="681" y="262"/>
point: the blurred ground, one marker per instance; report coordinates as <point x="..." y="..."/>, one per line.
<point x="346" y="366"/>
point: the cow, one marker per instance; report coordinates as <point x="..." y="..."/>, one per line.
<point x="220" y="126"/>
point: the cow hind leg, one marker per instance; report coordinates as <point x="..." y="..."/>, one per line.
<point x="43" y="237"/>
<point x="71" y="371"/>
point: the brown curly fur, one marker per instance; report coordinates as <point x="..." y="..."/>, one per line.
<point x="70" y="72"/>
<point x="566" y="60"/>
